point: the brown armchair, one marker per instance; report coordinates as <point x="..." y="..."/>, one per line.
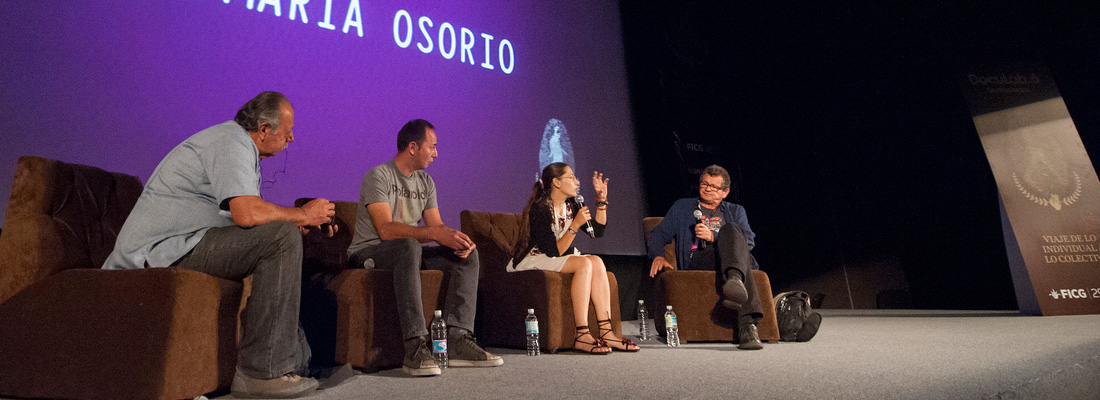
<point x="350" y="315"/>
<point x="504" y="297"/>
<point x="72" y="330"/>
<point x="694" y="297"/>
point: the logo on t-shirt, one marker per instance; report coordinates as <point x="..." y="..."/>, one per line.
<point x="409" y="194"/>
<point x="713" y="222"/>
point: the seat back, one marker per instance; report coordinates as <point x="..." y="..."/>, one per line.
<point x="648" y="223"/>
<point x="495" y="235"/>
<point x="60" y="216"/>
<point x="321" y="254"/>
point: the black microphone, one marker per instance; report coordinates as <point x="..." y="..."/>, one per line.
<point x="588" y="223"/>
<point x="699" y="219"/>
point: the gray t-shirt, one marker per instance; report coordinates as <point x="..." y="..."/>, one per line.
<point x="188" y="194"/>
<point x="408" y="197"/>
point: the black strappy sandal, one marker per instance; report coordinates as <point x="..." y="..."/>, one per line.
<point x="627" y="343"/>
<point x="599" y="343"/>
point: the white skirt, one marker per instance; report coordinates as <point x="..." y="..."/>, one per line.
<point x="541" y="262"/>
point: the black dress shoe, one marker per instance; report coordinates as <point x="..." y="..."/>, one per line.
<point x="748" y="338"/>
<point x="735" y="294"/>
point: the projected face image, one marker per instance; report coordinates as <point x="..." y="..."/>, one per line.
<point x="278" y="139"/>
<point x="424" y="151"/>
<point x="555" y="145"/>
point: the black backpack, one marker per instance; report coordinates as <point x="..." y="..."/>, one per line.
<point x="792" y="309"/>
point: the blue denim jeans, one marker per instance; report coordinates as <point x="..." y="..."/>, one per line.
<point x="406" y="257"/>
<point x="272" y="343"/>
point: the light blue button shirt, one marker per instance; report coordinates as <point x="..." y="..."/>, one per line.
<point x="188" y="194"/>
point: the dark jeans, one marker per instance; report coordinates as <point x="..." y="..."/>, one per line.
<point x="732" y="253"/>
<point x="272" y="344"/>
<point x="406" y="257"/>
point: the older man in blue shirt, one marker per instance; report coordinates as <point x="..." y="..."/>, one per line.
<point x="201" y="210"/>
<point x="713" y="234"/>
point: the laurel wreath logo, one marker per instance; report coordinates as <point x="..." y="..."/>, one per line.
<point x="1055" y="201"/>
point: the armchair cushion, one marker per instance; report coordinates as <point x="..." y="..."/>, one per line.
<point x="72" y="330"/>
<point x="97" y="334"/>
<point x="60" y="216"/>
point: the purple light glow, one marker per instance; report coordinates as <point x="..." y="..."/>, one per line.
<point x="118" y="85"/>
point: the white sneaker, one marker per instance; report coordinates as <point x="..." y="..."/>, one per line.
<point x="283" y="387"/>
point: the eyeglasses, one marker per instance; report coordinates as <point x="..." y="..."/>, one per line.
<point x="707" y="186"/>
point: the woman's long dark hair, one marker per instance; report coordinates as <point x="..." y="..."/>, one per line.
<point x="540" y="194"/>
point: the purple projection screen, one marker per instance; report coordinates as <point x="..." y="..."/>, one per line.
<point x="117" y="85"/>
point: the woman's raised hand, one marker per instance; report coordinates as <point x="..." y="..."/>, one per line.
<point x="599" y="183"/>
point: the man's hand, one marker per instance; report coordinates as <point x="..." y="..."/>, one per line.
<point x="703" y="232"/>
<point x="319" y="211"/>
<point x="452" y="238"/>
<point x="327" y="229"/>
<point x="658" y="264"/>
<point x="465" y="253"/>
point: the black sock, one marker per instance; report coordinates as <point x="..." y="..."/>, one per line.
<point x="746" y="319"/>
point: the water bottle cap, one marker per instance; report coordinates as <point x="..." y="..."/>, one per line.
<point x="668" y="307"/>
<point x="530" y="310"/>
<point x="641" y="301"/>
<point x="439" y="313"/>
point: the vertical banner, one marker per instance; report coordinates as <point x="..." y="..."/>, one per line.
<point x="1049" y="189"/>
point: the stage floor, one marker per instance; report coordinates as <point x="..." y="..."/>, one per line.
<point x="858" y="354"/>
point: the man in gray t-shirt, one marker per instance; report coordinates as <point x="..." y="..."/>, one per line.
<point x="408" y="196"/>
<point x="201" y="210"/>
<point x="393" y="199"/>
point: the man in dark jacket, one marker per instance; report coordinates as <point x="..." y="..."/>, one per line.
<point x="713" y="234"/>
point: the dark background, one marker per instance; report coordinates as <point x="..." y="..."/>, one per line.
<point x="846" y="135"/>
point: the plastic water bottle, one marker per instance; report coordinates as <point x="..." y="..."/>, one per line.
<point x="439" y="339"/>
<point x="643" y="321"/>
<point x="672" y="332"/>
<point x="532" y="328"/>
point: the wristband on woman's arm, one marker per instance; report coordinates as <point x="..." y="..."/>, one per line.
<point x="571" y="230"/>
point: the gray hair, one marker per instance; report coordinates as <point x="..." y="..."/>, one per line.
<point x="266" y="107"/>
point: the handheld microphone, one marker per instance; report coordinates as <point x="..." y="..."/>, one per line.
<point x="699" y="219"/>
<point x="588" y="223"/>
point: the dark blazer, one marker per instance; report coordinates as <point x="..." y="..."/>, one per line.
<point x="679" y="225"/>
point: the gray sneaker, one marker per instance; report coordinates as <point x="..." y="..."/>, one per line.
<point x="418" y="359"/>
<point x="463" y="351"/>
<point x="283" y="387"/>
